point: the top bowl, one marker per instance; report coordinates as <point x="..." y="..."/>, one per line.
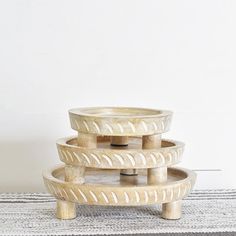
<point x="120" y="121"/>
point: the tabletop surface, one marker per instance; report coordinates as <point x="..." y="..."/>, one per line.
<point x="204" y="211"/>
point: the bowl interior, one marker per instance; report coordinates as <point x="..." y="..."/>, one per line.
<point x="113" y="177"/>
<point x="104" y="142"/>
<point x="117" y="112"/>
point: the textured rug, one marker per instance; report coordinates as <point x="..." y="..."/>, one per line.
<point x="204" y="211"/>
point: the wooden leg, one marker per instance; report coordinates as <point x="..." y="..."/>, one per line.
<point x="65" y="210"/>
<point x="129" y="176"/>
<point x="172" y="210"/>
<point x="75" y="174"/>
<point x="87" y="140"/>
<point x="151" y="141"/>
<point x="159" y="175"/>
<point x="119" y="140"/>
<point x="155" y="175"/>
<point x="123" y="141"/>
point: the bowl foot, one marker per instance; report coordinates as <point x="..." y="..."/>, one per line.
<point x="65" y="210"/>
<point x="172" y="210"/>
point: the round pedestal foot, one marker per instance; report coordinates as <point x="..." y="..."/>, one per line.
<point x="157" y="175"/>
<point x="172" y="210"/>
<point x="65" y="210"/>
<point x="119" y="140"/>
<point x="87" y="140"/>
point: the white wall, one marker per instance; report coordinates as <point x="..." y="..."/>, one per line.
<point x="177" y="55"/>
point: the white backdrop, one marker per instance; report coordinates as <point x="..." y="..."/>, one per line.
<point x="177" y="55"/>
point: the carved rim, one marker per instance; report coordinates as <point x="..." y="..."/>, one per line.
<point x="71" y="154"/>
<point x="99" y="194"/>
<point x="120" y="121"/>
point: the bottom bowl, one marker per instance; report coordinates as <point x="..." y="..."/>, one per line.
<point x="108" y="187"/>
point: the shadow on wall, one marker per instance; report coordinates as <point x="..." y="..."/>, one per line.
<point x="22" y="163"/>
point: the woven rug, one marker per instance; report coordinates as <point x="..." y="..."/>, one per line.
<point x="204" y="211"/>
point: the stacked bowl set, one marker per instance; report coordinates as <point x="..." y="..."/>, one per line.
<point x="119" y="159"/>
